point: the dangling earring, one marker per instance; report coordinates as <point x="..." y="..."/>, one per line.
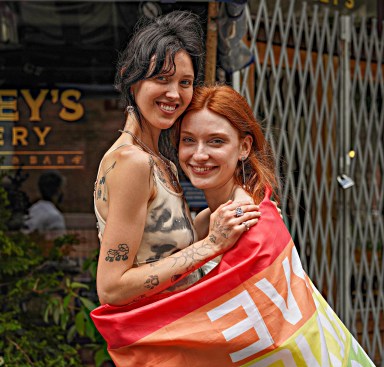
<point x="242" y="163"/>
<point x="130" y="109"/>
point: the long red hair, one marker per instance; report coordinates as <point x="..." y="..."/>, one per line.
<point x="260" y="164"/>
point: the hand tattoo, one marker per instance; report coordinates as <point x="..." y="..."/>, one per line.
<point x="212" y="238"/>
<point x="117" y="255"/>
<point x="224" y="231"/>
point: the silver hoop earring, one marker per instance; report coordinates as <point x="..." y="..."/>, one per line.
<point x="242" y="164"/>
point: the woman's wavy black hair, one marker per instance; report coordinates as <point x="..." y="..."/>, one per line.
<point x="152" y="51"/>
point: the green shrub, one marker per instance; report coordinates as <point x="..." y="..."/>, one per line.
<point x="44" y="311"/>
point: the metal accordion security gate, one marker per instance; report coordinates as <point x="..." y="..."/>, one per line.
<point x="317" y="87"/>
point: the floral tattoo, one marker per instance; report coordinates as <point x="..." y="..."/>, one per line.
<point x="120" y="254"/>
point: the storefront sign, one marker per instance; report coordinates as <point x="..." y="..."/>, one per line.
<point x="27" y="139"/>
<point x="346" y="4"/>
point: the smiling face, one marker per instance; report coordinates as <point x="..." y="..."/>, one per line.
<point x="163" y="98"/>
<point x="209" y="150"/>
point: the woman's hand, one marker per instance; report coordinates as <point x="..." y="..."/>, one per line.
<point x="228" y="223"/>
<point x="278" y="208"/>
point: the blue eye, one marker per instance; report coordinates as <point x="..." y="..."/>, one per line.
<point x="186" y="83"/>
<point x="217" y="141"/>
<point x="161" y="78"/>
<point x="187" y="140"/>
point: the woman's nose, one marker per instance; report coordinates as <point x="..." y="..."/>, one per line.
<point x="201" y="153"/>
<point x="172" y="91"/>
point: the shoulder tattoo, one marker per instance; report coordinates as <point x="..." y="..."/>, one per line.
<point x="100" y="187"/>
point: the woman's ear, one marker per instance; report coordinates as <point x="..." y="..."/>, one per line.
<point x="246" y="146"/>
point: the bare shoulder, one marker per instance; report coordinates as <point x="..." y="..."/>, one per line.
<point x="129" y="159"/>
<point x="130" y="169"/>
<point x="201" y="223"/>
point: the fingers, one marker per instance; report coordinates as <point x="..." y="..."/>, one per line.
<point x="246" y="212"/>
<point x="246" y="225"/>
<point x="239" y="211"/>
<point x="278" y="208"/>
<point x="245" y="205"/>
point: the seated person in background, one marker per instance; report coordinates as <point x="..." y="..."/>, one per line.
<point x="44" y="216"/>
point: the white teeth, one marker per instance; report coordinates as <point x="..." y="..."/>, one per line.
<point x="167" y="107"/>
<point x="201" y="169"/>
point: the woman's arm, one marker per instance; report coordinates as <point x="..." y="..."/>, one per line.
<point x="201" y="223"/>
<point x="130" y="190"/>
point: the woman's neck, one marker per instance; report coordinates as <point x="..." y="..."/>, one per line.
<point x="216" y="197"/>
<point x="149" y="136"/>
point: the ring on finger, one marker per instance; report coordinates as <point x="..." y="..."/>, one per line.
<point x="246" y="226"/>
<point x="239" y="212"/>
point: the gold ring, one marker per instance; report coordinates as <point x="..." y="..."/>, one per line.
<point x="246" y="226"/>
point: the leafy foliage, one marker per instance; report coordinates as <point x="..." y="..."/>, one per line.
<point x="44" y="311"/>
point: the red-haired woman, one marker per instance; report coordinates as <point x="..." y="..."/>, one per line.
<point x="223" y="151"/>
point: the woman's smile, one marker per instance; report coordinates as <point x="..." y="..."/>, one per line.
<point x="167" y="107"/>
<point x="202" y="170"/>
<point x="209" y="150"/>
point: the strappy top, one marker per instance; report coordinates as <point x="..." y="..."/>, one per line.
<point x="168" y="227"/>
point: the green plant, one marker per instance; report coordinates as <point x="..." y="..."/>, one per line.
<point x="44" y="311"/>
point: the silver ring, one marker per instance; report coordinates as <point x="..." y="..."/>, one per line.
<point x="239" y="212"/>
<point x="246" y="226"/>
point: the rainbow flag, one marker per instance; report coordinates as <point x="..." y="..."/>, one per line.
<point x="257" y="308"/>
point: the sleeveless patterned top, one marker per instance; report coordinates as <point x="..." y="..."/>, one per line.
<point x="168" y="228"/>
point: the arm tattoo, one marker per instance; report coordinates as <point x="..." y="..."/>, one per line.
<point x="152" y="282"/>
<point x="176" y="277"/>
<point x="139" y="298"/>
<point x="190" y="256"/>
<point x="117" y="255"/>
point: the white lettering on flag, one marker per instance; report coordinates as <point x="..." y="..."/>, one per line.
<point x="356" y="347"/>
<point x="332" y="316"/>
<point x="329" y="324"/>
<point x="285" y="356"/>
<point x="290" y="311"/>
<point x="254" y="320"/>
<point x="306" y="351"/>
<point x="297" y="268"/>
<point x="326" y="355"/>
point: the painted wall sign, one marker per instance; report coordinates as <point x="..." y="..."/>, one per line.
<point x="30" y="131"/>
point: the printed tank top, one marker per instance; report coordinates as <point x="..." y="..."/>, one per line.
<point x="168" y="228"/>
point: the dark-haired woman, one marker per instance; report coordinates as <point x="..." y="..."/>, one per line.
<point x="148" y="243"/>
